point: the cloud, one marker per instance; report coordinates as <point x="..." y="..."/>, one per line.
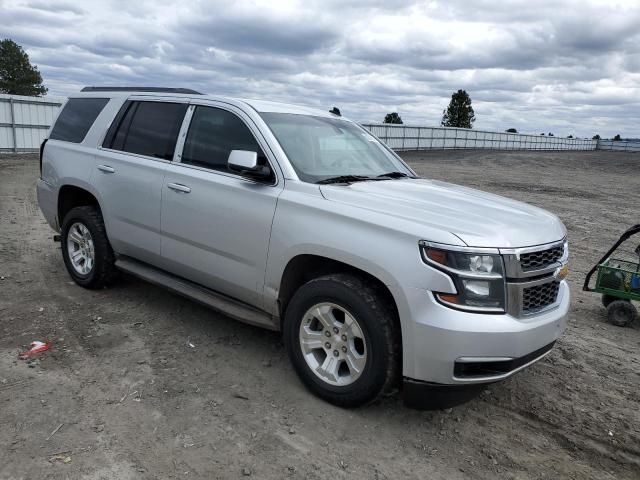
<point x="571" y="67"/>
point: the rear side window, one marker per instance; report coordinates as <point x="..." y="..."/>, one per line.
<point x="76" y="119"/>
<point x="146" y="128"/>
<point x="213" y="133"/>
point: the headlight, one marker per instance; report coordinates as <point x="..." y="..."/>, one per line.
<point x="478" y="277"/>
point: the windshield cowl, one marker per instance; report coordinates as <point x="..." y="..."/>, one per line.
<point x="344" y="179"/>
<point x="361" y="178"/>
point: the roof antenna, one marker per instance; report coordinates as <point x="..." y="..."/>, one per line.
<point x="335" y="111"/>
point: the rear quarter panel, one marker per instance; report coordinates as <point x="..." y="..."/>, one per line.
<point x="66" y="163"/>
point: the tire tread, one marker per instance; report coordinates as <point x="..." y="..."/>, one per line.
<point x="105" y="271"/>
<point x="386" y="323"/>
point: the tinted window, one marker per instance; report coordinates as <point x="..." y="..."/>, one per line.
<point x="113" y="129"/>
<point x="76" y="119"/>
<point x="118" y="135"/>
<point x="147" y="128"/>
<point x="213" y="133"/>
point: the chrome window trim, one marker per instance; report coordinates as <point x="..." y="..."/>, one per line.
<point x="225" y="174"/>
<point x="137" y="155"/>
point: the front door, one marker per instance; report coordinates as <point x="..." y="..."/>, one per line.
<point x="216" y="224"/>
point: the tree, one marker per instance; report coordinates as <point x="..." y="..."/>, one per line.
<point x="617" y="138"/>
<point x="393" y="117"/>
<point x="596" y="137"/>
<point x="459" y="113"/>
<point x="17" y="75"/>
<point x="511" y="130"/>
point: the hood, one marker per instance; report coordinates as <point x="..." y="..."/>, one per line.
<point x="479" y="219"/>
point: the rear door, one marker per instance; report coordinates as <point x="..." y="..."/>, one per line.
<point x="216" y="224"/>
<point x="130" y="171"/>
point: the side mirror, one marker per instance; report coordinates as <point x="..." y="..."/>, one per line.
<point x="245" y="161"/>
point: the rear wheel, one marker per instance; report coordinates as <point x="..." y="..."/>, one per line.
<point x="621" y="313"/>
<point x="342" y="338"/>
<point x="86" y="250"/>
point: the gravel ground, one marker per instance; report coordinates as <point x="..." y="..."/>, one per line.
<point x="141" y="383"/>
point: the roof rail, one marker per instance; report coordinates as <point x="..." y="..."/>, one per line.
<point x="140" y="89"/>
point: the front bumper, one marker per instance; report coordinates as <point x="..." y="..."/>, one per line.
<point x="431" y="396"/>
<point x="442" y="346"/>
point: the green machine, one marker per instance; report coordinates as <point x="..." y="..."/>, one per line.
<point x="618" y="281"/>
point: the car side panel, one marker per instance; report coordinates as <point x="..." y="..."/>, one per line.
<point x="218" y="233"/>
<point x="131" y="198"/>
<point x="306" y="223"/>
<point x="64" y="163"/>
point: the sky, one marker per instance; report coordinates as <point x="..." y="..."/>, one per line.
<point x="562" y="66"/>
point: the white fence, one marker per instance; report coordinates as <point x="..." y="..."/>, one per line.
<point x="619" y="145"/>
<point x="402" y="137"/>
<point x="24" y="121"/>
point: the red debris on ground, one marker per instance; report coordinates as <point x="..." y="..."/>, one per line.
<point x="36" y="347"/>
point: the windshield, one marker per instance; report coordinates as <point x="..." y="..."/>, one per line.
<point x="321" y="148"/>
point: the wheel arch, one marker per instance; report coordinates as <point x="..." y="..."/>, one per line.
<point x="304" y="267"/>
<point x="71" y="196"/>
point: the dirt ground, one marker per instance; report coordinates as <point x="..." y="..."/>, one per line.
<point x="141" y="383"/>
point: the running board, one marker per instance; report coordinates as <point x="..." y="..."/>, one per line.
<point x="226" y="305"/>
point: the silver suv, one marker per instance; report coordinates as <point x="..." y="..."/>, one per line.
<point x="301" y="221"/>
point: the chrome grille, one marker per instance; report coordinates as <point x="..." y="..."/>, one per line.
<point x="541" y="259"/>
<point x="539" y="296"/>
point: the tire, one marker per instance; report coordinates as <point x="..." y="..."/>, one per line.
<point x="101" y="270"/>
<point x="372" y="343"/>
<point x="607" y="299"/>
<point x="621" y="313"/>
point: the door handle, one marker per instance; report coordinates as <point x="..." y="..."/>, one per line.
<point x="178" y="187"/>
<point x="106" y="169"/>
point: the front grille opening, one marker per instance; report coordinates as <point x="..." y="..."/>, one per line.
<point x="494" y="369"/>
<point x="542" y="259"/>
<point x="540" y="296"/>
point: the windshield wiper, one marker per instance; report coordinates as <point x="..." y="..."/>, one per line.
<point x="345" y="179"/>
<point x="393" y="175"/>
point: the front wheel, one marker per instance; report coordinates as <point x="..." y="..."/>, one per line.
<point x="343" y="340"/>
